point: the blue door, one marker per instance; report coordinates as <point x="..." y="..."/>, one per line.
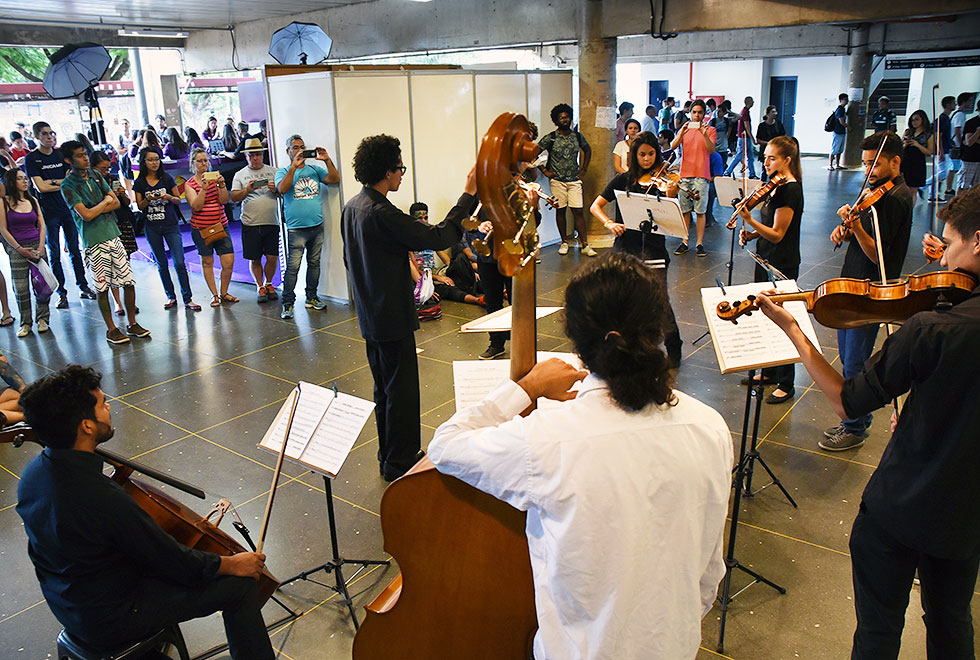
<point x="782" y="94"/>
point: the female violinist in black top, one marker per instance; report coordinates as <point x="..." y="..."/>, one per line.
<point x="778" y="235"/>
<point x="644" y="160"/>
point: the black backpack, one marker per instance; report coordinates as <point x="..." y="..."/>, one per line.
<point x="831" y="122"/>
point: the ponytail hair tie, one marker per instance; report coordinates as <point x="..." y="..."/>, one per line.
<point x="611" y="333"/>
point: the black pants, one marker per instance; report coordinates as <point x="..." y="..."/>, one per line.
<point x="883" y="571"/>
<point x="161" y="603"/>
<point x="395" y="367"/>
<point x="785" y="375"/>
<point x="447" y="292"/>
<point x="493" y="288"/>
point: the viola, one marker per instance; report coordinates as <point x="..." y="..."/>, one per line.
<point x="756" y="197"/>
<point x="846" y="302"/>
<point x="181" y="522"/>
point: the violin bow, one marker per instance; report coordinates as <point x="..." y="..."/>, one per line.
<point x="884" y="279"/>
<point x="745" y="171"/>
<point x="935" y="165"/>
<point x="867" y="177"/>
<point x="275" y="476"/>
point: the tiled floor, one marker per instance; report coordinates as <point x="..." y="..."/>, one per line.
<point x="195" y="399"/>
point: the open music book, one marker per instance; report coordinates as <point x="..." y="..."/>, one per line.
<point x="324" y="429"/>
<point x="756" y="341"/>
<point x="475" y="379"/>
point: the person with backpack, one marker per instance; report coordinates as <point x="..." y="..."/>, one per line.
<point x="565" y="174"/>
<point x="837" y="124"/>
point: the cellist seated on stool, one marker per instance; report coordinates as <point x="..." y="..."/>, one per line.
<point x="625" y="485"/>
<point x="109" y="573"/>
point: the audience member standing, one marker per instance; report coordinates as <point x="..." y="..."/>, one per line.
<point x="744" y="140"/>
<point x="125" y="220"/>
<point x="625" y="114"/>
<point x="883" y="119"/>
<point x="919" y="144"/>
<point x="22" y="228"/>
<point x="158" y="198"/>
<point x="839" y="129"/>
<point x="92" y="202"/>
<point x="48" y="168"/>
<point x="958" y="122"/>
<point x="698" y="142"/>
<point x="722" y="123"/>
<point x="254" y="186"/>
<point x="565" y="174"/>
<point x="161" y="127"/>
<point x="301" y="188"/>
<point x="970" y="153"/>
<point x="621" y="152"/>
<point x="377" y="239"/>
<point x="681" y="117"/>
<point x="18" y="148"/>
<point x="207" y="197"/>
<point x="770" y="127"/>
<point x="943" y="134"/>
<point x="650" y="123"/>
<point x="667" y="114"/>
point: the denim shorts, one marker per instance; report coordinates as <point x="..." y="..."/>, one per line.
<point x="694" y="184"/>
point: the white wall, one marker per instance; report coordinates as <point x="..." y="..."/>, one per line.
<point x="819" y="81"/>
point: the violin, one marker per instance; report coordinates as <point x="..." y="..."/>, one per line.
<point x="933" y="252"/>
<point x="868" y="200"/>
<point x="756" y="197"/>
<point x="535" y="187"/>
<point x="178" y="520"/>
<point x="845" y="302"/>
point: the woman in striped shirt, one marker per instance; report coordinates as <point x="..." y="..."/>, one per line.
<point x="206" y="198"/>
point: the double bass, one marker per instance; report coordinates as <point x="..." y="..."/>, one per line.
<point x="465" y="588"/>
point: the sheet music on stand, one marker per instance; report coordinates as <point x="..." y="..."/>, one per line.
<point x="473" y="380"/>
<point x="651" y="213"/>
<point x="729" y="189"/>
<point x="756" y="341"/>
<point x="324" y="430"/>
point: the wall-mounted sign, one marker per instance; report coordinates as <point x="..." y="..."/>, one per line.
<point x="933" y="62"/>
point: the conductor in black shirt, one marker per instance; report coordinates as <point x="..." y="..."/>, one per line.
<point x="109" y="573"/>
<point x="919" y="510"/>
<point x="894" y="212"/>
<point x="377" y="239"/>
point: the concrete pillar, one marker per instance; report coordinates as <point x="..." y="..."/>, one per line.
<point x="597" y="88"/>
<point x="143" y="118"/>
<point x="858" y="77"/>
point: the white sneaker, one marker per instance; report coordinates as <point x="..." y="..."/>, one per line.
<point x="588" y="251"/>
<point x="24" y="331"/>
<point x="563" y="249"/>
<point x="42" y="325"/>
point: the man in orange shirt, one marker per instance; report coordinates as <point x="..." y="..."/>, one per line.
<point x="698" y="142"/>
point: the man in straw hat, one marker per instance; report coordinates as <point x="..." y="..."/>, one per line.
<point x="254" y="186"/>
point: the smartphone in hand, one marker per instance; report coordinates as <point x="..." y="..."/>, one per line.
<point x="309" y="153"/>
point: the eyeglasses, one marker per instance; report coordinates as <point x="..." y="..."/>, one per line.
<point x="400" y="168"/>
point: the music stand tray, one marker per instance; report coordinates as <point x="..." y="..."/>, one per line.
<point x="730" y="191"/>
<point x="652" y="214"/>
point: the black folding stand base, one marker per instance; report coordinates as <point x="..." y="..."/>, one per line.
<point x="742" y="482"/>
<point x="336" y="563"/>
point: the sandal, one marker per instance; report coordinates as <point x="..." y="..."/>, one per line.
<point x="216" y="301"/>
<point x="6" y="320"/>
<point x="227" y="297"/>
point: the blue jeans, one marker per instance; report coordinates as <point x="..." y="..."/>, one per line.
<point x="297" y="240"/>
<point x="54" y="223"/>
<point x="737" y="158"/>
<point x="855" y="347"/>
<point x="155" y="236"/>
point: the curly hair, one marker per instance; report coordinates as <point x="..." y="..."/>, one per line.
<point x="962" y="212"/>
<point x="69" y="392"/>
<point x="558" y="109"/>
<point x="615" y="313"/>
<point x="375" y="157"/>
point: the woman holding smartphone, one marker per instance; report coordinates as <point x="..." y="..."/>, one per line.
<point x="158" y="198"/>
<point x="778" y="235"/>
<point x="207" y="194"/>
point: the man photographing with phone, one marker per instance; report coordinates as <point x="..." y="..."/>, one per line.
<point x="299" y="185"/>
<point x="254" y="187"/>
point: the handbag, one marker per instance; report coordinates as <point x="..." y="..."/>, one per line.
<point x="213" y="233"/>
<point x="43" y="280"/>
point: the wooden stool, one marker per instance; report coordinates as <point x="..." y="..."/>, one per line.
<point x="70" y="648"/>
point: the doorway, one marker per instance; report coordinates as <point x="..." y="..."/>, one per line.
<point x="656" y="94"/>
<point x="782" y="94"/>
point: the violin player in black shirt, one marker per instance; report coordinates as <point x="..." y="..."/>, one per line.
<point x="109" y="573"/>
<point x="919" y="510"/>
<point x="894" y="212"/>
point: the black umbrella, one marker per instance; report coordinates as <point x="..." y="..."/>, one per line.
<point x="299" y="43"/>
<point x="75" y="68"/>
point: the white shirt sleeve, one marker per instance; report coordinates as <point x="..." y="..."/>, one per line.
<point x="486" y="446"/>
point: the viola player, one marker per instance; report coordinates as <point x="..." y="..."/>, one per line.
<point x="919" y="510"/>
<point x="109" y="573"/>
<point x="894" y="211"/>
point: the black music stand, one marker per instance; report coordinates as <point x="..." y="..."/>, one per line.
<point x="336" y="563"/>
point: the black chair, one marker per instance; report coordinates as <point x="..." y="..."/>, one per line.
<point x="70" y="648"/>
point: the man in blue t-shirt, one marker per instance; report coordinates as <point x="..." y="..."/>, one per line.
<point x="840" y="132"/>
<point x="299" y="185"/>
<point x="47" y="169"/>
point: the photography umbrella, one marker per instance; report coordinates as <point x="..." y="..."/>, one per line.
<point x="74" y="69"/>
<point x="299" y="43"/>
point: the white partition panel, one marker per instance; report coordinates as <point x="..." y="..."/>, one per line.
<point x="443" y="125"/>
<point x="497" y="93"/>
<point x="303" y="104"/>
<point x="371" y="104"/>
<point x="545" y="91"/>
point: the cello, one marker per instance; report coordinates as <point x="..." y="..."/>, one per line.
<point x="454" y="543"/>
<point x="178" y="520"/>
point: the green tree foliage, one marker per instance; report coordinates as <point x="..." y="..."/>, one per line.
<point x="29" y="64"/>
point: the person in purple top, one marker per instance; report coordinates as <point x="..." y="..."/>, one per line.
<point x="22" y="228"/>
